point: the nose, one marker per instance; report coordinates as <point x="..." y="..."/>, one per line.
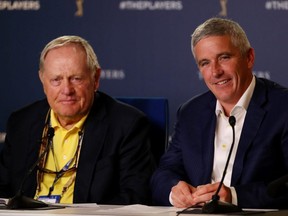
<point x="67" y="87"/>
<point x="216" y="69"/>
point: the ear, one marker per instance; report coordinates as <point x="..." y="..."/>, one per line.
<point x="97" y="79"/>
<point x="250" y="57"/>
<point x="40" y="74"/>
<point x="41" y="77"/>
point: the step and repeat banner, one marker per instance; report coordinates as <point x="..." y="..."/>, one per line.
<point x="143" y="46"/>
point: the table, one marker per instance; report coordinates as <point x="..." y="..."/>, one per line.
<point x="112" y="210"/>
<point x="94" y="209"/>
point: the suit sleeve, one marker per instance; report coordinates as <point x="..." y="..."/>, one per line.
<point x="136" y="165"/>
<point x="169" y="172"/>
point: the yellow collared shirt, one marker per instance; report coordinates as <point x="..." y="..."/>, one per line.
<point x="65" y="144"/>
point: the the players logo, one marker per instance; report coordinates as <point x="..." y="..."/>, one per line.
<point x="79" y="5"/>
<point x="223" y="4"/>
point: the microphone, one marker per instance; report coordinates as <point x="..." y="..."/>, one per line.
<point x="278" y="187"/>
<point x="215" y="205"/>
<point x="19" y="201"/>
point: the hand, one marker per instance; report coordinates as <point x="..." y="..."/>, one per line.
<point x="204" y="193"/>
<point x="182" y="195"/>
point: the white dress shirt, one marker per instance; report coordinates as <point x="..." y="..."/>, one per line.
<point x="223" y="138"/>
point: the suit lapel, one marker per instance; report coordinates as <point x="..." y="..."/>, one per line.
<point x="94" y="136"/>
<point x="208" y="150"/>
<point x="31" y="148"/>
<point x="254" y="117"/>
<point x="208" y="135"/>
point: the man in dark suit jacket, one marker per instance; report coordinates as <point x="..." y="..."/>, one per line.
<point x="190" y="171"/>
<point x="113" y="165"/>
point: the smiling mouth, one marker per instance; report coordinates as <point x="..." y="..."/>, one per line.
<point x="222" y="82"/>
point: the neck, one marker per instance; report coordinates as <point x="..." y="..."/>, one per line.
<point x="227" y="108"/>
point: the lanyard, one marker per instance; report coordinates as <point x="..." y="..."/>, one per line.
<point x="66" y="168"/>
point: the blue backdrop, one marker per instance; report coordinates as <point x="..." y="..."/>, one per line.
<point x="143" y="46"/>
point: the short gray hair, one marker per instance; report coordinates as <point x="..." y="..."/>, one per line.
<point x="221" y="27"/>
<point x="92" y="62"/>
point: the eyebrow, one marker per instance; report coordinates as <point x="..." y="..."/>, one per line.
<point x="217" y="56"/>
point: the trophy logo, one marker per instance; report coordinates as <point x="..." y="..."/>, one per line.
<point x="223" y="4"/>
<point x="79" y="5"/>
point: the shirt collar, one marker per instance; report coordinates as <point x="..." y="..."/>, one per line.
<point x="243" y="101"/>
<point x="55" y="123"/>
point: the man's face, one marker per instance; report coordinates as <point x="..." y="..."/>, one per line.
<point x="68" y="83"/>
<point x="225" y="71"/>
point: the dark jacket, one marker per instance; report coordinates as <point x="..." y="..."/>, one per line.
<point x="261" y="157"/>
<point x="115" y="162"/>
